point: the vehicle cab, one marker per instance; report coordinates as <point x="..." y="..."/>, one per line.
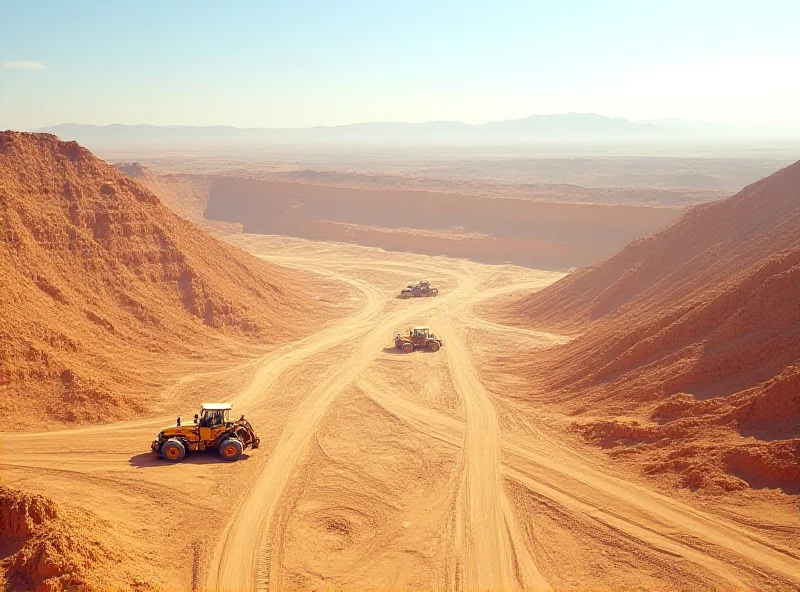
<point x="419" y="335"/>
<point x="212" y="417"/>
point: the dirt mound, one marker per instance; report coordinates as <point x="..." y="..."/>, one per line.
<point x="694" y="331"/>
<point x="102" y="285"/>
<point x="49" y="548"/>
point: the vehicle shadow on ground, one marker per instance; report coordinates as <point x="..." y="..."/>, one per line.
<point x="396" y="352"/>
<point x="390" y="349"/>
<point x="146" y="460"/>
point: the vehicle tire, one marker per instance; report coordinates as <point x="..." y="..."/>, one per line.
<point x="173" y="450"/>
<point x="433" y="346"/>
<point x="407" y="348"/>
<point x="231" y="449"/>
<point x="435" y="293"/>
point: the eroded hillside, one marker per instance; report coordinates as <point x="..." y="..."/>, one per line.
<point x="688" y="343"/>
<point x="103" y="285"/>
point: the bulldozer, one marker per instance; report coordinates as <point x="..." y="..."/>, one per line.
<point x="212" y="429"/>
<point x="417" y="338"/>
<point x="421" y="289"/>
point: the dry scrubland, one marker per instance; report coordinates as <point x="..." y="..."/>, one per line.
<point x="633" y="424"/>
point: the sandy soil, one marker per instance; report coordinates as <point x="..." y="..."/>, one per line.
<point x="379" y="470"/>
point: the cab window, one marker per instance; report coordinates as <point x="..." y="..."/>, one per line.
<point x="213" y="418"/>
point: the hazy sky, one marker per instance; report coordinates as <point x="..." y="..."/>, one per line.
<point x="296" y="63"/>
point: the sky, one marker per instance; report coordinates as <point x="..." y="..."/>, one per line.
<point x="324" y="62"/>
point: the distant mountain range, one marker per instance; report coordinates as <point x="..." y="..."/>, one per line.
<point x="573" y="126"/>
<point x="568" y="127"/>
<point x="722" y="130"/>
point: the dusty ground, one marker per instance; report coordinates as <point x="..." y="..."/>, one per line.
<point x="385" y="471"/>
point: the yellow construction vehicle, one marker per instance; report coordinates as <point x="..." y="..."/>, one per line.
<point x="211" y="429"/>
<point x="421" y="289"/>
<point x="417" y="338"/>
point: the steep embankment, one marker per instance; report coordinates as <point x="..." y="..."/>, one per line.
<point x="485" y="229"/>
<point x="102" y="285"/>
<point x="528" y="225"/>
<point x="688" y="346"/>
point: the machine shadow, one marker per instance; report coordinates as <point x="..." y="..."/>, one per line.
<point x="152" y="460"/>
<point x="390" y="349"/>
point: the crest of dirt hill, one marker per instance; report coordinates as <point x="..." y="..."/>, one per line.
<point x="686" y="353"/>
<point x="51" y="548"/>
<point x="101" y="284"/>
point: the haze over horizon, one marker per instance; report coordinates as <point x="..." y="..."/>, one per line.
<point x="312" y="64"/>
<point x="664" y="123"/>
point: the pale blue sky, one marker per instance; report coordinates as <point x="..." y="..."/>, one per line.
<point x="273" y="64"/>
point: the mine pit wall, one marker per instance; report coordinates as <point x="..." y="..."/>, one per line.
<point x="489" y="230"/>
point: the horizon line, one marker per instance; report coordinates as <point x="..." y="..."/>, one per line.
<point x="656" y="122"/>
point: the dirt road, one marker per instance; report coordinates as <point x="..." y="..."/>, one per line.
<point x="380" y="470"/>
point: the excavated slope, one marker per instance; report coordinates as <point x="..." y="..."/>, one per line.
<point x="186" y="195"/>
<point x="101" y="283"/>
<point x="486" y="229"/>
<point x="695" y="332"/>
<point x="49" y="548"/>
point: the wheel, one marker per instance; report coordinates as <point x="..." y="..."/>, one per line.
<point x="173" y="450"/>
<point x="231" y="449"/>
<point x="407" y="348"/>
<point x="433" y="346"/>
<point x="435" y="293"/>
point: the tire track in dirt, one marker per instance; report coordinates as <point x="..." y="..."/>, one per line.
<point x="240" y="562"/>
<point x="490" y="542"/>
<point x="651" y="518"/>
<point x="495" y="553"/>
<point x="496" y="556"/>
<point x="265" y="369"/>
<point x="547" y="339"/>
